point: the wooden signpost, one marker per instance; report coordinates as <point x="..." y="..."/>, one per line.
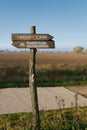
<point x="33" y="41"/>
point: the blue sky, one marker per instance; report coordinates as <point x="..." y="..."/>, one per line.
<point x="65" y="20"/>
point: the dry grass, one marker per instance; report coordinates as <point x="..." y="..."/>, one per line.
<point x="61" y="58"/>
<point x="13" y="59"/>
<point x="44" y="58"/>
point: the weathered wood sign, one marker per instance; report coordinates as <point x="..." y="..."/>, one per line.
<point x="28" y="37"/>
<point x="33" y="44"/>
<point x="33" y="41"/>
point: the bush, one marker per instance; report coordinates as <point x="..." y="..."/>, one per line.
<point x="19" y="76"/>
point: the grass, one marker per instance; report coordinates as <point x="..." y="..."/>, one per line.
<point x="18" y="76"/>
<point x="63" y="119"/>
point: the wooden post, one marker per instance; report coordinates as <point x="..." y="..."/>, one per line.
<point x="32" y="85"/>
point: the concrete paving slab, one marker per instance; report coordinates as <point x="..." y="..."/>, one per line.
<point x="14" y="100"/>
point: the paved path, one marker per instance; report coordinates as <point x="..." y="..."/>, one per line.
<point x="13" y="100"/>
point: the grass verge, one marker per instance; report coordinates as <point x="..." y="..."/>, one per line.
<point x="62" y="119"/>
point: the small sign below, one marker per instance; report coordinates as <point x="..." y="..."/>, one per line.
<point x="34" y="44"/>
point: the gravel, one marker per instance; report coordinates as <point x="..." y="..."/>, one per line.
<point x="15" y="100"/>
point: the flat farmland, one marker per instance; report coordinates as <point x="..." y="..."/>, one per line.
<point x="52" y="69"/>
<point x="80" y="90"/>
<point x="53" y="58"/>
<point x="48" y="79"/>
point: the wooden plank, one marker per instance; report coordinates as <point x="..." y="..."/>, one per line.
<point x="34" y="44"/>
<point x="28" y="37"/>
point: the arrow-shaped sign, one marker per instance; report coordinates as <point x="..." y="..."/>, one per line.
<point x="28" y="37"/>
<point x="34" y="44"/>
